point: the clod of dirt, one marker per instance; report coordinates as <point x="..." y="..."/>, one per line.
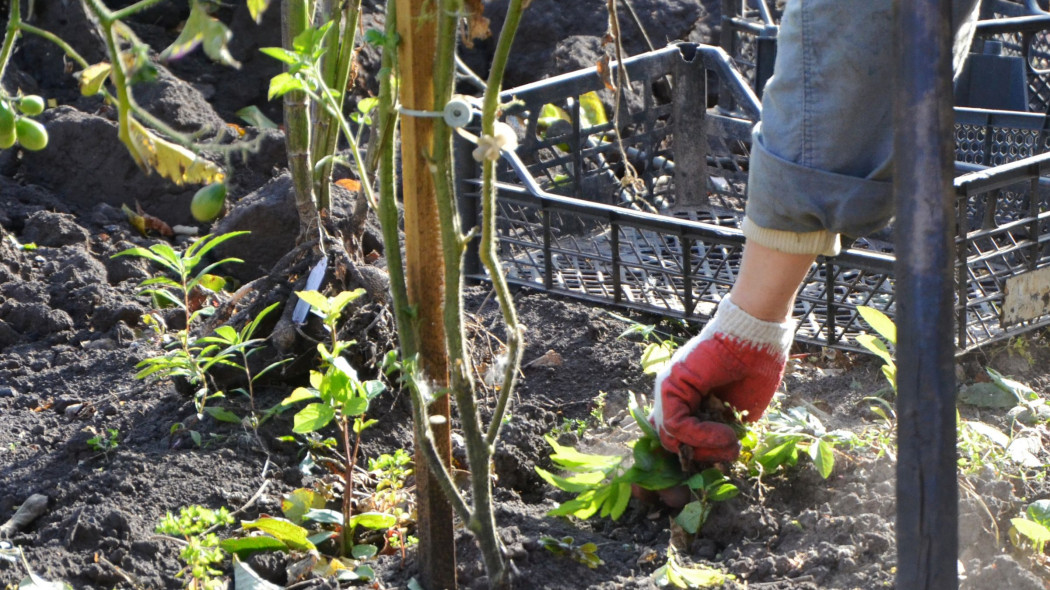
<point x="101" y="169"/>
<point x="53" y="229"/>
<point x="179" y="104"/>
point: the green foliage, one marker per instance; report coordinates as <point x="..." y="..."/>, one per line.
<point x="883" y="349"/>
<point x="202" y="551"/>
<point x="783" y="435"/>
<point x="709" y="486"/>
<point x="290" y="535"/>
<point x="341" y="397"/>
<point x="391" y="471"/>
<point x="1033" y="528"/>
<point x="193" y="520"/>
<point x="659" y="347"/>
<point x="586" y="554"/>
<point x="603" y="485"/>
<point x="228" y="343"/>
<point x="187" y="358"/>
<point x="105" y="443"/>
<point x="674" y="574"/>
<point x="202" y="29"/>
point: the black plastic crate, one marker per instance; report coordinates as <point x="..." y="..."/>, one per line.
<point x="670" y="242"/>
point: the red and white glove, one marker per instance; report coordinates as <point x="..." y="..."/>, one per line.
<point x="737" y="359"/>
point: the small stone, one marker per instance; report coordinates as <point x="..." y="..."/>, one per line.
<point x="73" y="409"/>
<point x="8" y="391"/>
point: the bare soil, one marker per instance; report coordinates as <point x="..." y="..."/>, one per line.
<point x="71" y="333"/>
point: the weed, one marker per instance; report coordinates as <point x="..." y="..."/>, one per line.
<point x="578" y="426"/>
<point x="105" y="443"/>
<point x="1032" y="530"/>
<point x="243" y="344"/>
<point x="597" y="414"/>
<point x="575" y="426"/>
<point x="603" y="485"/>
<point x="186" y="357"/>
<point x="586" y="554"/>
<point x="659" y="346"/>
<point x="288" y="534"/>
<point x="885" y="327"/>
<point x="201" y="551"/>
<point x="778" y="439"/>
<point x="1019" y="346"/>
<point x="675" y="574"/>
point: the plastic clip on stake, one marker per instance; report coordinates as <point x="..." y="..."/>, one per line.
<point x="457" y="113"/>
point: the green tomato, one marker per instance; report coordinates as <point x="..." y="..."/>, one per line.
<point x="207" y="203"/>
<point x="31" y="134"/>
<point x="8" y="139"/>
<point x="8" y="136"/>
<point x="7" y="118"/>
<point x="31" y="105"/>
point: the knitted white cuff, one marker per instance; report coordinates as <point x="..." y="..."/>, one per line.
<point x="820" y="242"/>
<point x="736" y="323"/>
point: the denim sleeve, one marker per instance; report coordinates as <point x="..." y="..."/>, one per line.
<point x="821" y="160"/>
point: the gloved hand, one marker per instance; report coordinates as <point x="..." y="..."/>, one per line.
<point x="736" y="359"/>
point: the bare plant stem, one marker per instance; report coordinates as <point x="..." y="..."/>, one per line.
<point x="134" y="8"/>
<point x="408" y="336"/>
<point x="295" y="19"/>
<point x="487" y="248"/>
<point x="346" y="538"/>
<point x="482" y="522"/>
<point x="336" y="75"/>
<point x="14" y="20"/>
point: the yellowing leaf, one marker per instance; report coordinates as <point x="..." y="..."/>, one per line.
<point x="168" y="159"/>
<point x="656" y="356"/>
<point x="201" y="28"/>
<point x="256" y="8"/>
<point x="296" y="504"/>
<point x="137" y="221"/>
<point x="593" y="110"/>
<point x="93" y="77"/>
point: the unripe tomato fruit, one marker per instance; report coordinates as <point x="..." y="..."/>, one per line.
<point x="7" y="116"/>
<point x="31" y="134"/>
<point x="207" y="203"/>
<point x="31" y="105"/>
<point x="7" y="126"/>
<point x="8" y="139"/>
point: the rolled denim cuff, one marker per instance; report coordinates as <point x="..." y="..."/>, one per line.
<point x="786" y="196"/>
<point x="820" y="242"/>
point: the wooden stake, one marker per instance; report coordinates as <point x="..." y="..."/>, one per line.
<point x="424" y="271"/>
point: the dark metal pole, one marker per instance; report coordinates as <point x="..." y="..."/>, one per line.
<point x="927" y="492"/>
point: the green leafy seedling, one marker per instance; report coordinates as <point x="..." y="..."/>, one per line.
<point x="336" y="393"/>
<point x="186" y="357"/>
<point x="586" y="554"/>
<point x="675" y="574"/>
<point x="228" y="343"/>
<point x="709" y="486"/>
<point x="883" y="349"/>
<point x="105" y="443"/>
<point x="1033" y="529"/>
<point x="202" y="551"/>
<point x="785" y="435"/>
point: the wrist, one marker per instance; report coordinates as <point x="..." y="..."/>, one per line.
<point x="737" y="324"/>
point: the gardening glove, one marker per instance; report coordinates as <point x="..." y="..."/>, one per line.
<point x="738" y="360"/>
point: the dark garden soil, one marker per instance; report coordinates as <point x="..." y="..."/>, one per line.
<point x="71" y="333"/>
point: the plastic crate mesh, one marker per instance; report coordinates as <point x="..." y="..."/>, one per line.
<point x="579" y="214"/>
